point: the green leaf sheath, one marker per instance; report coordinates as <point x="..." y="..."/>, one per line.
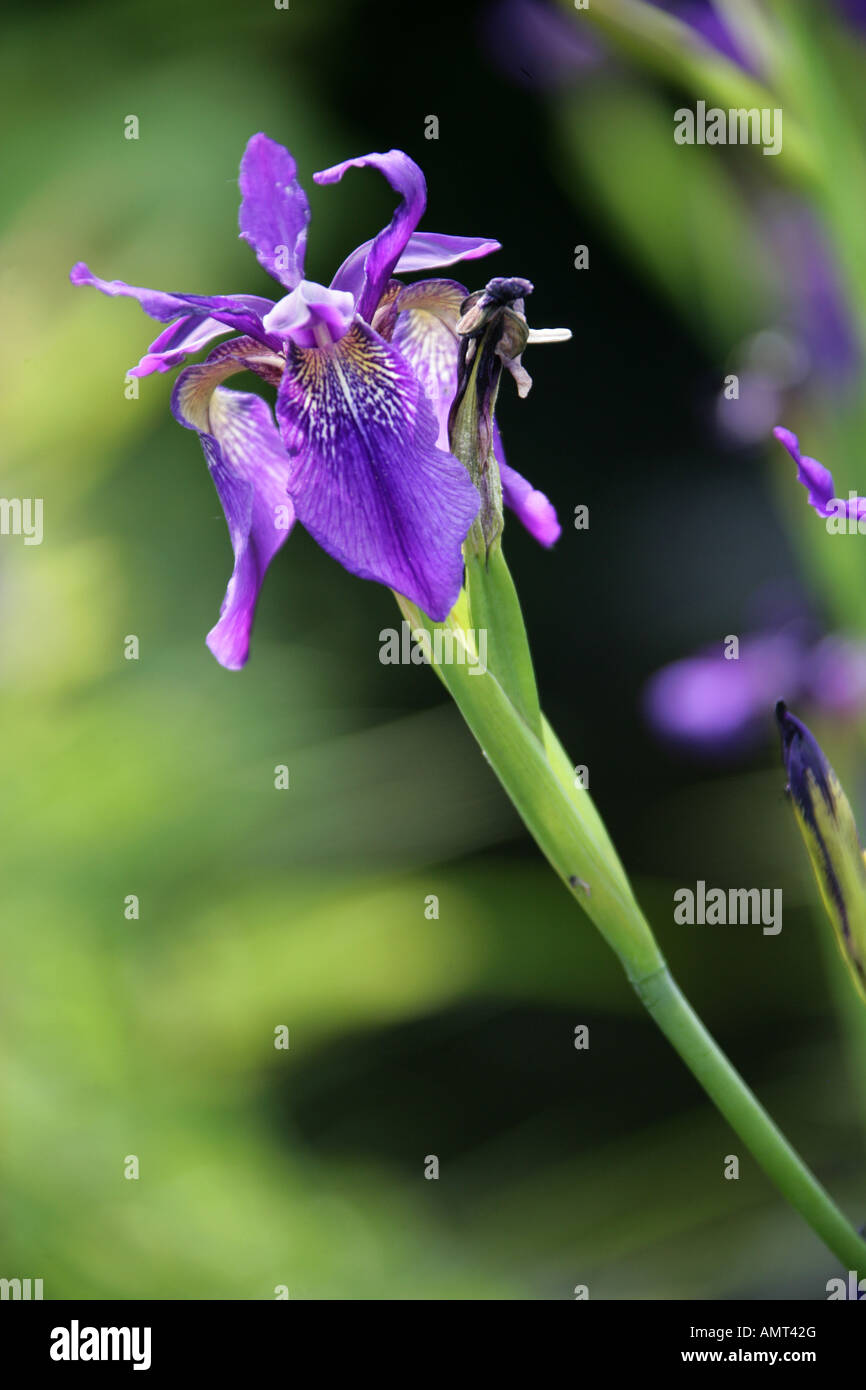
<point x="538" y="777"/>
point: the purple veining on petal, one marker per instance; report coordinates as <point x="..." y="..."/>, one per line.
<point x="366" y="478"/>
<point x="274" y="211"/>
<point x="250" y="470"/>
<point x="424" y="251"/>
<point x="239" y="311"/>
<point x="818" y="481"/>
<point x="386" y="249"/>
<point x="424" y="321"/>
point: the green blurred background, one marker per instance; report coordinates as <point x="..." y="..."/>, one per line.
<point x="305" y="907"/>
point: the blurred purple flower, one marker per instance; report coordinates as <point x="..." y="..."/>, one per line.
<point x="811" y="343"/>
<point x="365" y="371"/>
<point x="854" y="11"/>
<point x="817" y="311"/>
<point x="536" y="44"/>
<point x="719" y="707"/>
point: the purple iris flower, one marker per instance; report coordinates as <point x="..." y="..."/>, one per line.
<point x="819" y="485"/>
<point x="365" y="371"/>
<point x="716" y="707"/>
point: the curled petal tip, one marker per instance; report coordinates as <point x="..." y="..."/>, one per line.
<point x="816" y="479"/>
<point x="407" y="180"/>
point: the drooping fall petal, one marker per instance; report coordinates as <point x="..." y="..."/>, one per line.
<point x="535" y="511"/>
<point x="366" y="478"/>
<point x="242" y="312"/>
<point x="250" y="470"/>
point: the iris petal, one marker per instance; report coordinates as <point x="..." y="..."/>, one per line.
<point x="312" y="315"/>
<point x="424" y="321"/>
<point x="385" y="250"/>
<point x="250" y="471"/>
<point x="242" y="312"/>
<point x="366" y="478"/>
<point x="424" y="251"/>
<point x="274" y="211"/>
<point x="818" y="481"/>
<point x="176" y="342"/>
<point x="169" y="349"/>
<point x="535" y="511"/>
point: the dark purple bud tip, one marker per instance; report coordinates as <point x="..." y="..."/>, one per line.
<point x="802" y="755"/>
<point x="505" y="290"/>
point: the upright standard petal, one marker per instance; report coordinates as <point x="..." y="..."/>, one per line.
<point x="818" y="482"/>
<point x="424" y="251"/>
<point x="250" y="471"/>
<point x="366" y="478"/>
<point x="386" y="249"/>
<point x="242" y="312"/>
<point x="274" y="211"/>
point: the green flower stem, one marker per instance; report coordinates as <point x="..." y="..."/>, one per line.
<point x="495" y="609"/>
<point x="567" y="829"/>
<point x="538" y="778"/>
<point x="671" y="48"/>
<point x="669" y="1008"/>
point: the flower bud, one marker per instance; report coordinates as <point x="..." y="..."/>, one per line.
<point x="826" y="823"/>
<point x="493" y="333"/>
